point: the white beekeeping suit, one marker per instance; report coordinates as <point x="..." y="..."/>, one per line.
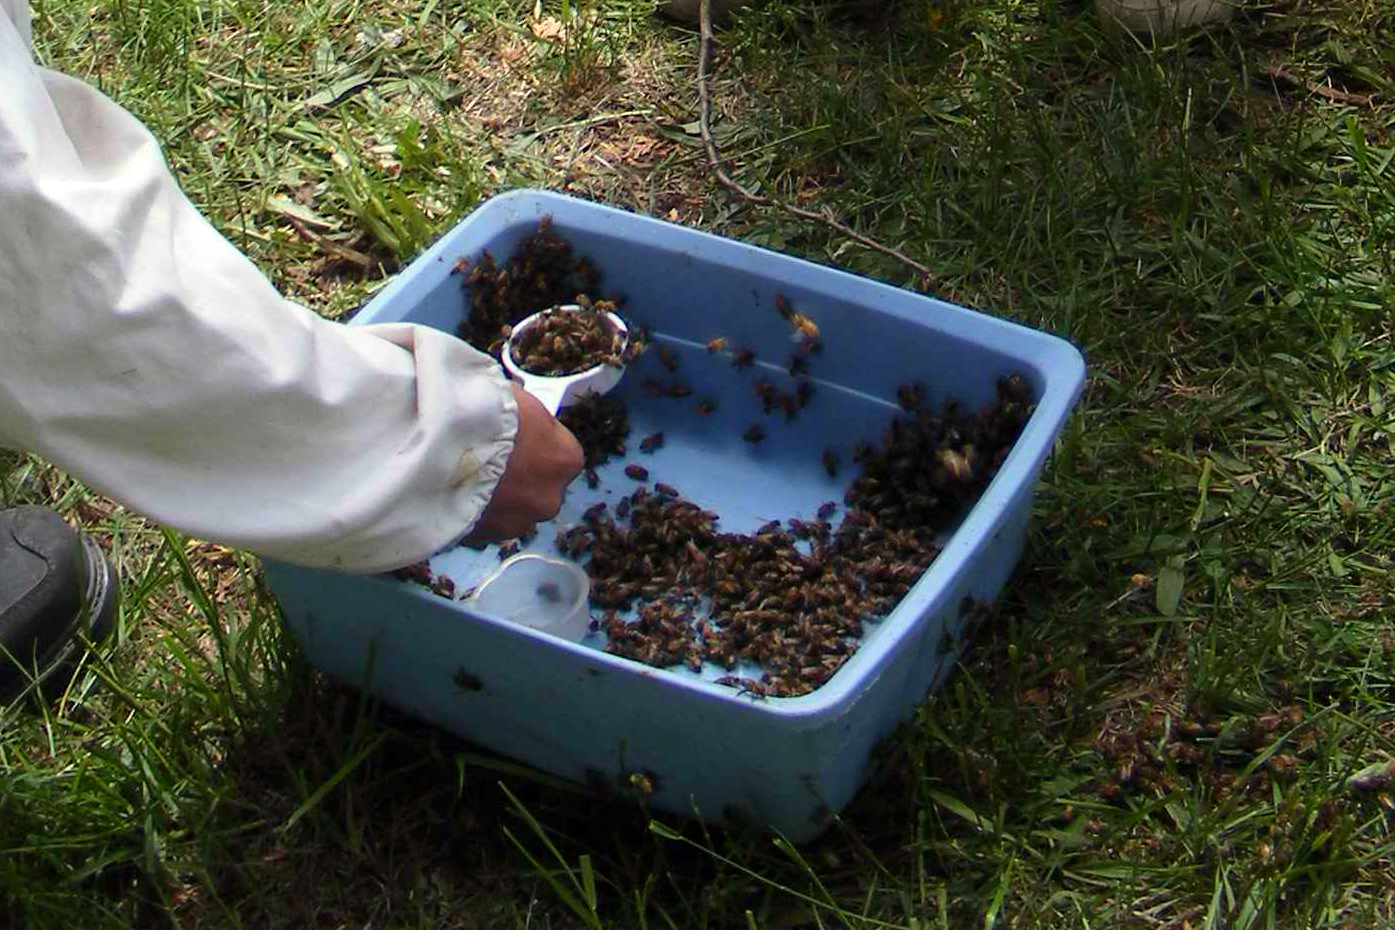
<point x="144" y="354"/>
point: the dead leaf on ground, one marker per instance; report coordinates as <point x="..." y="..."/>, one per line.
<point x="548" y="29"/>
<point x="512" y="54"/>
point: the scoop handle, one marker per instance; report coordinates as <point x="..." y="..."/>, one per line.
<point x="549" y="393"/>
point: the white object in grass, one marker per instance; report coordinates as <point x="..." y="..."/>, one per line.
<point x="1162" y="18"/>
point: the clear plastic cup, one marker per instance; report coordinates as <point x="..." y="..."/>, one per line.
<point x="533" y="590"/>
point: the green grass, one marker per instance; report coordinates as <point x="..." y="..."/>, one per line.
<point x="1158" y="726"/>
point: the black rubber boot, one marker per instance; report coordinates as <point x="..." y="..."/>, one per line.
<point x="57" y="595"/>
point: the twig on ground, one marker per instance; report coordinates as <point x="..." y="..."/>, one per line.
<point x="1321" y="90"/>
<point x="714" y="159"/>
<point x="329" y="246"/>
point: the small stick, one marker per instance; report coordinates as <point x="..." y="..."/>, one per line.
<point x="714" y="159"/>
<point x="1322" y="90"/>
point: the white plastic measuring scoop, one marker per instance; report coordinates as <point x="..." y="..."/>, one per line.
<point x="563" y="390"/>
<point x="534" y="590"/>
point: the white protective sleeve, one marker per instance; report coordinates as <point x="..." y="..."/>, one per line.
<point x="145" y="355"/>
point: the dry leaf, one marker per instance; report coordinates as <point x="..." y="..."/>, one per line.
<point x="548" y="29"/>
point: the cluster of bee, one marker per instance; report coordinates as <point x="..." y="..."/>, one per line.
<point x="543" y="272"/>
<point x="564" y="342"/>
<point x="703" y="595"/>
<point x="930" y="464"/>
<point x="794" y="596"/>
<point x="602" y="426"/>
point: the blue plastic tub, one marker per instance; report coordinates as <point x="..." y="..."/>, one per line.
<point x="704" y="749"/>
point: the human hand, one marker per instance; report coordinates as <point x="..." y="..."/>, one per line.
<point x="546" y="458"/>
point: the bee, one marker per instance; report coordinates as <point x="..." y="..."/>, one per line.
<point x="669" y="358"/>
<point x="910" y="397"/>
<point x="637" y="472"/>
<point x="650" y="443"/>
<point x="678" y="390"/>
<point x="622" y="509"/>
<point x="478" y="275"/>
<point x="905" y="573"/>
<point x="667" y="490"/>
<point x="508" y="549"/>
<point x="728" y="589"/>
<point x="803" y="393"/>
<point x="594" y="512"/>
<point x="578" y="541"/>
<point x="706" y="407"/>
<point x="766" y="392"/>
<point x="754" y="433"/>
<point x="798" y="366"/>
<point x="461" y="266"/>
<point x="643" y="783"/>
<point x="695" y="555"/>
<point x="790" y="405"/>
<point x="804" y="328"/>
<point x="830" y="463"/>
<point x="593" y="480"/>
<point x="843" y="648"/>
<point x="1015" y="387"/>
<point x="716" y="345"/>
<point x="782" y="307"/>
<point x="749" y="686"/>
<point x="466" y="681"/>
<point x="958" y="465"/>
<point x="743" y="359"/>
<point x="769" y="528"/>
<point x="634" y="349"/>
<point x="827" y="510"/>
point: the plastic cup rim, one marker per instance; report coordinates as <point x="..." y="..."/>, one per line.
<point x="581" y="599"/>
